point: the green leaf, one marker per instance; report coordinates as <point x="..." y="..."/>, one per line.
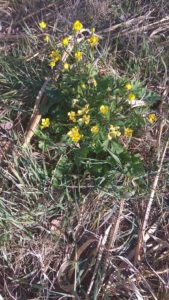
<point x="41" y="145"/>
<point x="115" y="157"/>
<point x="116" y="147"/>
<point x="152" y="98"/>
<point x="105" y="145"/>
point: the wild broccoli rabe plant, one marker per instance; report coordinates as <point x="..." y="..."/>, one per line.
<point x="94" y="116"/>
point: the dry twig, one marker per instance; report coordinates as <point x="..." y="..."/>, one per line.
<point x="106" y="242"/>
<point x="126" y="24"/>
<point x="141" y="236"/>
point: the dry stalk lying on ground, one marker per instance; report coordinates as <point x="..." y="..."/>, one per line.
<point x="152" y="26"/>
<point x="141" y="236"/>
<point x="36" y="115"/>
<point x="127" y="24"/>
<point x="134" y="26"/>
<point x="114" y="228"/>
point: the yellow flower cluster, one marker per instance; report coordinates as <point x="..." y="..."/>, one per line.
<point x="82" y="116"/>
<point x="128" y="132"/>
<point x="83" y="113"/>
<point x="113" y="132"/>
<point x="72" y="116"/>
<point x="78" y="54"/>
<point x="95" y="129"/>
<point x="104" y="109"/>
<point x="45" y="123"/>
<point x="85" y="119"/>
<point x="84" y="110"/>
<point x="152" y="118"/>
<point x="93" y="40"/>
<point x="55" y="56"/>
<point x="131" y="96"/>
<point x="75" y="135"/>
<point x="77" y="26"/>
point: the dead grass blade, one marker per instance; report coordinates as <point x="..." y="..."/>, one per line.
<point x="133" y="26"/>
<point x="36" y="12"/>
<point x="136" y="291"/>
<point x="106" y="243"/>
<point x="11" y="37"/>
<point x="102" y="244"/>
<point x="145" y="28"/>
<point x="69" y="287"/>
<point x="141" y="236"/>
<point x="138" y="274"/>
<point x="127" y="24"/>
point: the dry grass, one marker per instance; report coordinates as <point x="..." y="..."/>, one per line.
<point x="78" y="242"/>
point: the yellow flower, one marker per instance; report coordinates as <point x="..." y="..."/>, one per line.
<point x="104" y="109"/>
<point x="42" y="25"/>
<point x="128" y="86"/>
<point x="78" y="55"/>
<point x="93" y="40"/>
<point x="92" y="30"/>
<point x="46" y="38"/>
<point x="152" y="118"/>
<point x="83" y="86"/>
<point x="84" y="110"/>
<point x="94" y="82"/>
<point x="95" y="129"/>
<point x="72" y="116"/>
<point x="65" y="41"/>
<point x="66" y="66"/>
<point x="55" y="55"/>
<point x="52" y="64"/>
<point x="74" y="102"/>
<point x="113" y="132"/>
<point x="128" y="132"/>
<point x="80" y="112"/>
<point x="77" y="26"/>
<point x="86" y="119"/>
<point x="45" y="123"/>
<point x="131" y="97"/>
<point x="74" y="134"/>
